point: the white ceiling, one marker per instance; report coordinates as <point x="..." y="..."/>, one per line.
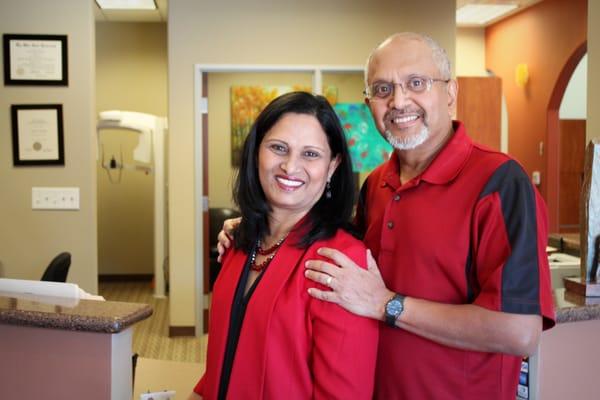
<point x="160" y="14"/>
<point x="522" y="4"/>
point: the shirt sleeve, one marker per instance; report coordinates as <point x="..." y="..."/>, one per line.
<point x="344" y="346"/>
<point x="510" y="268"/>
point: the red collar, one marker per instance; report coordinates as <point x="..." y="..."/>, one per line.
<point x="446" y="165"/>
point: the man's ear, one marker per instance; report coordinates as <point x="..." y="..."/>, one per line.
<point x="452" y="89"/>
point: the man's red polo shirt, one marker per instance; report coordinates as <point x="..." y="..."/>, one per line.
<point x="471" y="229"/>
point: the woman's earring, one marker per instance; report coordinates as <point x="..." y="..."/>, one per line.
<point x="328" y="189"/>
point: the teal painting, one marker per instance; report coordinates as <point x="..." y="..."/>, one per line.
<point x="367" y="148"/>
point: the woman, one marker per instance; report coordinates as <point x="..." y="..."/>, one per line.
<point x="268" y="339"/>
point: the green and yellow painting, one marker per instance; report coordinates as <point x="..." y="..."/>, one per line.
<point x="248" y="101"/>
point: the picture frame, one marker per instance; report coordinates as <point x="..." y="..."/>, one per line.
<point x="35" y="60"/>
<point x="37" y="134"/>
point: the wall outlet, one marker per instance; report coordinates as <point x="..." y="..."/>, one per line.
<point x="55" y="198"/>
<point x="164" y="395"/>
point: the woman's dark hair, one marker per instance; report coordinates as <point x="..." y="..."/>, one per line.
<point x="328" y="214"/>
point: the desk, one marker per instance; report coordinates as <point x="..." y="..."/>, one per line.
<point x="67" y="349"/>
<point x="565" y="365"/>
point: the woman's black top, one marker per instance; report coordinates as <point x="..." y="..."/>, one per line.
<point x="238" y="310"/>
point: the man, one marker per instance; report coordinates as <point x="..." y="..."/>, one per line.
<point x="459" y="234"/>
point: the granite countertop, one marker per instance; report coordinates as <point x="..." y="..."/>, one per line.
<point x="71" y="314"/>
<point x="571" y="307"/>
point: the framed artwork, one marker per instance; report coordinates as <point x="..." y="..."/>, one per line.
<point x="367" y="147"/>
<point x="37" y="134"/>
<point x="35" y="60"/>
<point x="248" y="101"/>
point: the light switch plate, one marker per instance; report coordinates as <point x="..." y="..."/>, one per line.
<point x="55" y="198"/>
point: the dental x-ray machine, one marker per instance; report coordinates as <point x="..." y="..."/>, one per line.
<point x="150" y="148"/>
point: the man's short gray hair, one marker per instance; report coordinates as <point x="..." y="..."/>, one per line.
<point x="440" y="57"/>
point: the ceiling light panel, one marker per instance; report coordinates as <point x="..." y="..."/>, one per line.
<point x="126" y="4"/>
<point x="481" y="14"/>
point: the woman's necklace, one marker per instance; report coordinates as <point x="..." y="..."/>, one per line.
<point x="269" y="252"/>
<point x="266" y="252"/>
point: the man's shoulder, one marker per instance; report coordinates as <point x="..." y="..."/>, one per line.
<point x="483" y="151"/>
<point x="480" y="155"/>
<point x="485" y="158"/>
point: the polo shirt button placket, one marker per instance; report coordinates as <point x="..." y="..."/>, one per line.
<point x="396" y="197"/>
<point x="390" y="224"/>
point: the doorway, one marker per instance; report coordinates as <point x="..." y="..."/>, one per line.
<point x="213" y="86"/>
<point x="566" y="145"/>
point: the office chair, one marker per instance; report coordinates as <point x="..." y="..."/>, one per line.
<point x="58" y="268"/>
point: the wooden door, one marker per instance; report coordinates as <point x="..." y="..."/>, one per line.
<point x="479" y="108"/>
<point x="571" y="159"/>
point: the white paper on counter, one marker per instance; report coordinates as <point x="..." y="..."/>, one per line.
<point x="45" y="289"/>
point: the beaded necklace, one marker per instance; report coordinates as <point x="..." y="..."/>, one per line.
<point x="269" y="252"/>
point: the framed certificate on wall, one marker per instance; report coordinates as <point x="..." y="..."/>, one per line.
<point x="35" y="60"/>
<point x="37" y="133"/>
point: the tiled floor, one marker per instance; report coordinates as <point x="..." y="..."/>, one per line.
<point x="150" y="337"/>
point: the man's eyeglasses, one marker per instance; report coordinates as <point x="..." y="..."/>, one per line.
<point x="414" y="84"/>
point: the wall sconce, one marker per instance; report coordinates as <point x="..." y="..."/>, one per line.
<point x="521" y="75"/>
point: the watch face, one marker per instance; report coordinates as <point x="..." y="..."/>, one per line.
<point x="394" y="307"/>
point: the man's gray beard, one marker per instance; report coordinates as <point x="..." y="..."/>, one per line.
<point x="407" y="143"/>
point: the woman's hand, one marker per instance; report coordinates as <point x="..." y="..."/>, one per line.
<point x="224" y="237"/>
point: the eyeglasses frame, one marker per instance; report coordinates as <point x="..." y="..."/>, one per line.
<point x="430" y="81"/>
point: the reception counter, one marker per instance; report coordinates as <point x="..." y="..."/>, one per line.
<point x="55" y="348"/>
<point x="566" y="363"/>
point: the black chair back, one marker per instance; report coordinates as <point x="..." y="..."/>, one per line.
<point x="58" y="268"/>
<point x="216" y="218"/>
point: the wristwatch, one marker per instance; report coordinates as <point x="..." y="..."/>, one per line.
<point x="393" y="309"/>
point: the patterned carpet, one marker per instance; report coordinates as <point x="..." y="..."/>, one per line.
<point x="151" y="336"/>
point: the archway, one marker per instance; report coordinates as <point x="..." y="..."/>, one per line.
<point x="553" y="136"/>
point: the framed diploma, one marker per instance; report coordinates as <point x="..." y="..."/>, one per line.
<point x="35" y="60"/>
<point x="37" y="133"/>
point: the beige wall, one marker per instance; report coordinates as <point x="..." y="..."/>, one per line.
<point x="29" y="239"/>
<point x="263" y="32"/>
<point x="593" y="94"/>
<point x="470" y="52"/>
<point x="131" y="75"/>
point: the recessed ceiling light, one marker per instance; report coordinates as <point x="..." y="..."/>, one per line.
<point x="126" y="4"/>
<point x="480" y="14"/>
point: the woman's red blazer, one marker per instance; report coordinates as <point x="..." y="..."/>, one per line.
<point x="291" y="345"/>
